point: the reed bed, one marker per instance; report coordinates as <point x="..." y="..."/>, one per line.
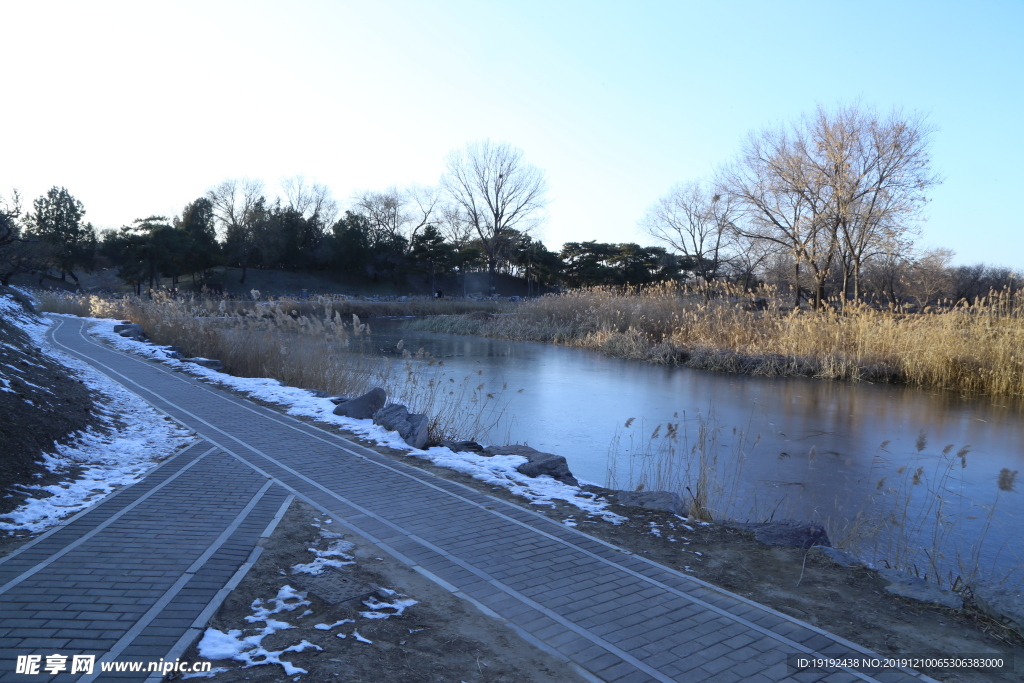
<point x="920" y="519"/>
<point x="913" y="516"/>
<point x="301" y="346"/>
<point x="685" y="456"/>
<point x="319" y="306"/>
<point x="314" y="307"/>
<point x="975" y="348"/>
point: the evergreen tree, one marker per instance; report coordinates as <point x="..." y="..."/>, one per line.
<point x="431" y="253"/>
<point x="57" y="220"/>
<point x="197" y="222"/>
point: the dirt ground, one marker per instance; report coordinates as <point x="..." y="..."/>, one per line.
<point x="440" y="638"/>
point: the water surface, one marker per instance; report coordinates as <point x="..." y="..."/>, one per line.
<point x="813" y="449"/>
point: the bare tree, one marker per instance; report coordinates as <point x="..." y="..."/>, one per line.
<point x="929" y="278"/>
<point x="750" y="257"/>
<point x="454" y="224"/>
<point x="785" y="202"/>
<point x="877" y="172"/>
<point x="234" y="199"/>
<point x="397" y="213"/>
<point x="834" y="189"/>
<point x="696" y="222"/>
<point x="312" y="200"/>
<point x="238" y="207"/>
<point x="424" y="204"/>
<point x="497" y="194"/>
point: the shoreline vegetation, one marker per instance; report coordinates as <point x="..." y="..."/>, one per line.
<point x="971" y="348"/>
<point x="305" y="344"/>
<point x="909" y="512"/>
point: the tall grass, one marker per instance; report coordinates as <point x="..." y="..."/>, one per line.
<point x="919" y="518"/>
<point x="684" y="456"/>
<point x="915" y="516"/>
<point x="973" y="348"/>
<point x="305" y="347"/>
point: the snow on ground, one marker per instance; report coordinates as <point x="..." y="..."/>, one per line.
<point x="499" y="470"/>
<point x="249" y="649"/>
<point x="137" y="438"/>
<point x="336" y="555"/>
<point x="398" y="605"/>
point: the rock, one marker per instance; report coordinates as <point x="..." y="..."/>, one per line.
<point x="907" y="586"/>
<point x="363" y="407"/>
<point x="123" y="325"/>
<point x="652" y="500"/>
<point x="411" y="427"/>
<point x="338" y="400"/>
<point x="463" y="446"/>
<point x="837" y="556"/>
<point x="538" y="463"/>
<point x="206" y="363"/>
<point x="130" y="331"/>
<point x="515" y="449"/>
<point x="1001" y="602"/>
<point x="788" y="533"/>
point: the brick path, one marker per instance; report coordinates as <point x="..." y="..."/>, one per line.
<point x="155" y="555"/>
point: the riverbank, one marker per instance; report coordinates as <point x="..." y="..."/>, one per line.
<point x="68" y="434"/>
<point x="849" y="601"/>
<point x="975" y="349"/>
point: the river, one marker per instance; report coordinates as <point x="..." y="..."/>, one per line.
<point x="787" y="447"/>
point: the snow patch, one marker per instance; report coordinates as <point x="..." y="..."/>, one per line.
<point x="337" y="554"/>
<point x="328" y="627"/>
<point x="497" y="470"/>
<point x="137" y="438"/>
<point x="398" y="605"/>
<point x="249" y="649"/>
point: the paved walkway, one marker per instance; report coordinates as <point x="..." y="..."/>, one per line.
<point x="139" y="574"/>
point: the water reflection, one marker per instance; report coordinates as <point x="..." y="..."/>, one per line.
<point x="819" y="444"/>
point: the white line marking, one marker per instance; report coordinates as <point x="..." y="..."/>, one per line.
<point x="107" y="498"/>
<point x="103" y="525"/>
<point x="153" y="612"/>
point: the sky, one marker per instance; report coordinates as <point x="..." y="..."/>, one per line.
<point x="138" y="108"/>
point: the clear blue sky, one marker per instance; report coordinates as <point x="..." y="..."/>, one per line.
<point x="137" y="108"/>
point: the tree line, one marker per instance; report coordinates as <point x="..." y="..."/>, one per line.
<point x="480" y="218"/>
<point x="826" y="207"/>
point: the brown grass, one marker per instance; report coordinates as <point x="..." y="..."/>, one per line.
<point x="301" y="345"/>
<point x="972" y="349"/>
<point x="684" y="455"/>
<point x="914" y="517"/>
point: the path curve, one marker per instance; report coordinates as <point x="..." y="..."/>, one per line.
<point x="617" y="616"/>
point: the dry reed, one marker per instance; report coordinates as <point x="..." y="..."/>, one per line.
<point x="972" y="349"/>
<point x="305" y="347"/>
<point x="915" y="516"/>
<point x="683" y="456"/>
<point x="919" y="519"/>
